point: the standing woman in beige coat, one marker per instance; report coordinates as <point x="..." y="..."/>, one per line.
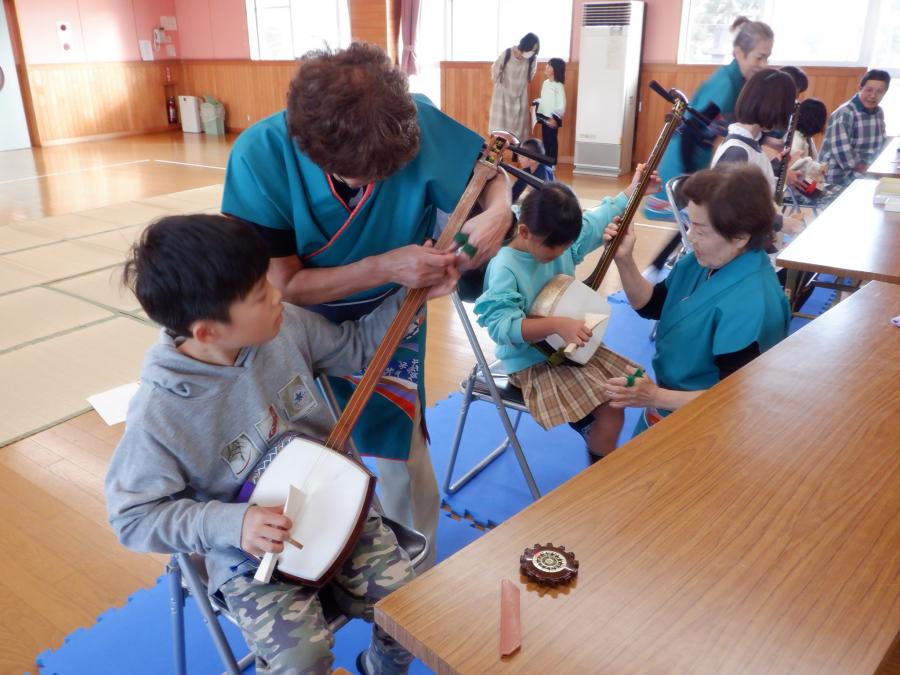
<point x="511" y="73"/>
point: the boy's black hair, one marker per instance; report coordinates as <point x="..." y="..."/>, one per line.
<point x="552" y="213"/>
<point x="812" y="117"/>
<point x="798" y="75"/>
<point x="190" y="268"/>
<point x="533" y="144"/>
<point x="875" y="74"/>
<point x="559" y="69"/>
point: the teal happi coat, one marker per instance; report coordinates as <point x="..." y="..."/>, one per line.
<point x="271" y="183"/>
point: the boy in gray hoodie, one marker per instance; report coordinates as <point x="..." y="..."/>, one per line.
<point x="233" y="369"/>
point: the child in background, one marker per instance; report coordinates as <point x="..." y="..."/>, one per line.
<point x="552" y="237"/>
<point x="551" y="106"/>
<point x="811" y="120"/>
<point x="535" y="168"/>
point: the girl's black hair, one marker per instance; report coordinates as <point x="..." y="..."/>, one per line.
<point x="559" y="70"/>
<point x="811" y="117"/>
<point x="528" y="41"/>
<point x="553" y="214"/>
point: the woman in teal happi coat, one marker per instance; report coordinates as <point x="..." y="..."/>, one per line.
<point x="691" y="148"/>
<point x="722" y="304"/>
<point x="345" y="186"/>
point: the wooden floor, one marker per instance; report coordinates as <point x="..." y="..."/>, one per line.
<point x="62" y="566"/>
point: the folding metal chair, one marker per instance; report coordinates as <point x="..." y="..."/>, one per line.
<point x="679" y="205"/>
<point x="795" y="202"/>
<point x="487" y="382"/>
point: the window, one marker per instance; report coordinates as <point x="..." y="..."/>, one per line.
<point x="886" y="55"/>
<point x="826" y="32"/>
<point x="481" y="29"/>
<point x="287" y="29"/>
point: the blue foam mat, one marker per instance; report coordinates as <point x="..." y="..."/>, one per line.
<point x="817" y="303"/>
<point x="136" y="638"/>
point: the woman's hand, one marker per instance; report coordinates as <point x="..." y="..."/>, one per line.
<point x="653" y="186"/>
<point x="264" y="530"/>
<point x="626" y="247"/>
<point x="416" y="266"/>
<point x="573" y="330"/>
<point x="640" y="395"/>
<point x="446" y="286"/>
<point x="486" y="233"/>
<point x="791" y="225"/>
<point x="796" y="180"/>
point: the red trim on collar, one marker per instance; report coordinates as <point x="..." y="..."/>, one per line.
<point x="368" y="192"/>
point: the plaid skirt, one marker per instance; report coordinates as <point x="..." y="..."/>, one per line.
<point x="569" y="392"/>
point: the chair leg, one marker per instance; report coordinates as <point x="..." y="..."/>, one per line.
<point x="176" y="607"/>
<point x="198" y="590"/>
<point x="498" y="402"/>
<point x="452" y="488"/>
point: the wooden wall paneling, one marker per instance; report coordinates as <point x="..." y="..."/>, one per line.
<point x="90" y="100"/>
<point x="93" y="100"/>
<point x="249" y="90"/>
<point x="466" y="93"/>
<point x="370" y="21"/>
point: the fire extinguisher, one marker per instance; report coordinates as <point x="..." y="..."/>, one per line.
<point x="171" y="111"/>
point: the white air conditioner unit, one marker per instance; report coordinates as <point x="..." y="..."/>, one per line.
<point x="608" y="70"/>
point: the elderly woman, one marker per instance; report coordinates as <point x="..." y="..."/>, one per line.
<point x="344" y="186"/>
<point x="720" y="307"/>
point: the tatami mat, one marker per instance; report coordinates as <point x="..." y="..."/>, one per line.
<point x="38" y="312"/>
<point x="68" y="226"/>
<point x="16" y="237"/>
<point x="48" y="381"/>
<point x="119" y="240"/>
<point x="70" y="328"/>
<point x="14" y="276"/>
<point x="127" y="213"/>
<point x="103" y="287"/>
<point x="64" y="259"/>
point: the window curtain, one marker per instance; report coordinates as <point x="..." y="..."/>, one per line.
<point x="409" y="27"/>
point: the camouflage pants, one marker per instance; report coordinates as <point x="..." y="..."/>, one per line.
<point x="283" y="622"/>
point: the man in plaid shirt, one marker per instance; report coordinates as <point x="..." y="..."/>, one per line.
<point x="855" y="131"/>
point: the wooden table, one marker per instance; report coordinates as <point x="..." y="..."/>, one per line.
<point x="888" y="162"/>
<point x="757" y="530"/>
<point x="851" y="238"/>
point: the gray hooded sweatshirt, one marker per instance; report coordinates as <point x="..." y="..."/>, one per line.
<point x="195" y="431"/>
